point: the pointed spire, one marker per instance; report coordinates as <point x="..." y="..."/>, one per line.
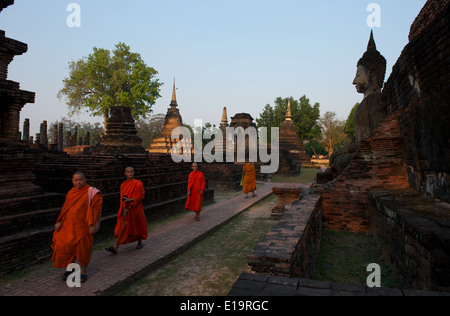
<point x="289" y="112"/>
<point x="174" y="95"/>
<point x="371" y="44"/>
<point x="224" y="118"/>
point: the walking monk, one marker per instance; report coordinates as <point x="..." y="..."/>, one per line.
<point x="249" y="179"/>
<point x="76" y="224"/>
<point x="196" y="189"/>
<point x="131" y="222"/>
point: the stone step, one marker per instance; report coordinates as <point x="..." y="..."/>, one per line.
<point x="21" y="205"/>
<point x="25" y="248"/>
<point x="10" y="225"/>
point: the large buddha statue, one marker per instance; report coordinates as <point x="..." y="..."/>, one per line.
<point x="370" y="75"/>
<point x="369" y="80"/>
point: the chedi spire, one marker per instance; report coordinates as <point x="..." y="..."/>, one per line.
<point x="174" y="96"/>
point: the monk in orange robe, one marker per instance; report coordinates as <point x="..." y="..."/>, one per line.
<point x="76" y="224"/>
<point x="249" y="179"/>
<point x="196" y="190"/>
<point x="131" y="222"/>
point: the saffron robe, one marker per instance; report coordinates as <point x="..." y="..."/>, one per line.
<point x="74" y="240"/>
<point x="249" y="178"/>
<point x="134" y="226"/>
<point x="196" y="184"/>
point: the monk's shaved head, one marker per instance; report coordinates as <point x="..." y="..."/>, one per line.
<point x="79" y="173"/>
<point x="129" y="172"/>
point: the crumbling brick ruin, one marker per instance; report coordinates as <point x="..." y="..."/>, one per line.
<point x="35" y="174"/>
<point x="397" y="184"/>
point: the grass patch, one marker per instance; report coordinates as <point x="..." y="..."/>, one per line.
<point x="344" y="258"/>
<point x="211" y="267"/>
<point x="307" y="175"/>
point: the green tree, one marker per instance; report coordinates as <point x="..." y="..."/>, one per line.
<point x="333" y="136"/>
<point x="106" y="79"/>
<point x="349" y="128"/>
<point x="305" y="116"/>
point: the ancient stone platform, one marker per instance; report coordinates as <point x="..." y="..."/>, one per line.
<point x="292" y="247"/>
<point x="265" y="285"/>
<point x="109" y="274"/>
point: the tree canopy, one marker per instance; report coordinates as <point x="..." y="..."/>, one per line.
<point x="349" y="128"/>
<point x="106" y="79"/>
<point x="333" y="136"/>
<point x="305" y="116"/>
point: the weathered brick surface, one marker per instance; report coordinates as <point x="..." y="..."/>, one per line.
<point x="292" y="151"/>
<point x="286" y="194"/>
<point x="292" y="247"/>
<point x="411" y="147"/>
<point x="223" y="176"/>
<point x="420" y="83"/>
<point x="26" y="221"/>
<point x="377" y="165"/>
<point x="121" y="134"/>
<point x="12" y="99"/>
<point x="413" y="232"/>
<point x="249" y="285"/>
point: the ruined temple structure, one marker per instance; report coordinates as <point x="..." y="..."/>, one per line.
<point x="291" y="142"/>
<point x="220" y="145"/>
<point x="223" y="175"/>
<point x="12" y="99"/>
<point x="397" y="184"/>
<point x="121" y="134"/>
<point x="16" y="160"/>
<point x="163" y="144"/>
<point x="246" y="121"/>
<point x="292" y="152"/>
<point x="35" y="176"/>
<point x="27" y="222"/>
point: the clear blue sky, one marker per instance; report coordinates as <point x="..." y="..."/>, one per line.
<point x="239" y="54"/>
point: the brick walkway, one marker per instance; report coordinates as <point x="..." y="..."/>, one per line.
<point x="109" y="274"/>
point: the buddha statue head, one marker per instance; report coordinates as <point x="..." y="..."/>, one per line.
<point x="371" y="70"/>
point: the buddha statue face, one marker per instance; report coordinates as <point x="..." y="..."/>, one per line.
<point x="362" y="80"/>
<point x="371" y="70"/>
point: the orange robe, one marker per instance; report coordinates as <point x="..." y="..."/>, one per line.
<point x="74" y="240"/>
<point x="249" y="175"/>
<point x="196" y="184"/>
<point x="134" y="226"/>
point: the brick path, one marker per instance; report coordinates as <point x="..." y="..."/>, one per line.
<point x="109" y="274"/>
